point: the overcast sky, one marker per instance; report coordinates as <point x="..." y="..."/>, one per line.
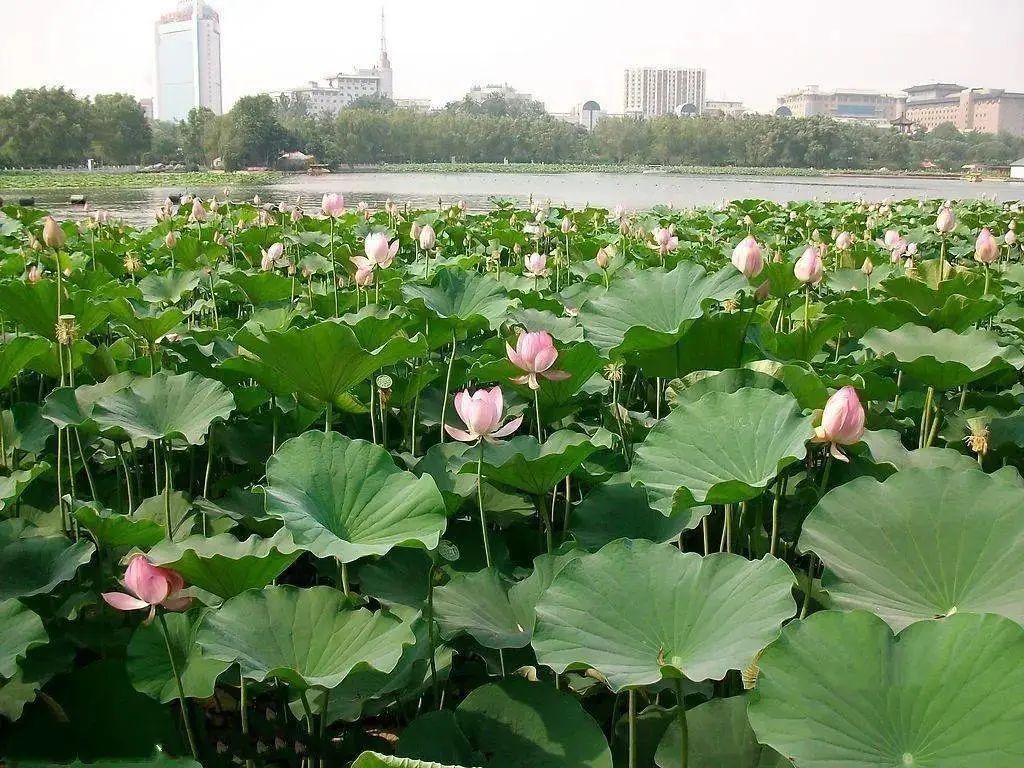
<point x="562" y="51"/>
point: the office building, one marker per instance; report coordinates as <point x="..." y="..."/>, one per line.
<point x="852" y="105"/>
<point x="187" y="61"/>
<point x="586" y="114"/>
<point x="982" y="110"/>
<point x="724" y="107"/>
<point x="653" y="91"/>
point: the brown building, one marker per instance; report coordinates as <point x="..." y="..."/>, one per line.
<point x="848" y="105"/>
<point x="982" y="110"/>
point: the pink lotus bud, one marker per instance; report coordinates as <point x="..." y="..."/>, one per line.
<point x="566" y="225"/>
<point x="428" y="238"/>
<point x="364" y="277"/>
<point x="53" y="235"/>
<point x="481" y="412"/>
<point x="333" y="205"/>
<point x="35" y="274"/>
<point x="808" y="267"/>
<point x="868" y="266"/>
<point x="746" y="257"/>
<point x="1010" y="237"/>
<point x="414" y="231"/>
<point x="842" y="421"/>
<point x="844" y="240"/>
<point x="171" y="240"/>
<point x="891" y="237"/>
<point x="624" y="227"/>
<point x="945" y="222"/>
<point x="619" y="213"/>
<point x="535" y="353"/>
<point x="148" y="586"/>
<point x="986" y="249"/>
<point x="198" y="212"/>
<point x="536" y="264"/>
<point x="602" y="259"/>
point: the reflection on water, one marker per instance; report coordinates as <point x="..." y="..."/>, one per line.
<point x="633" y="190"/>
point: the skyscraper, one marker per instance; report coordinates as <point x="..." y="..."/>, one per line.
<point x="187" y="60"/>
<point x="651" y="91"/>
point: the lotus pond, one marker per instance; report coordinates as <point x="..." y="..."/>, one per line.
<point x="541" y="488"/>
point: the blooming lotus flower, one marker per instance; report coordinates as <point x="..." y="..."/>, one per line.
<point x="53" y="235"/>
<point x="148" y="586"/>
<point x="271" y="256"/>
<point x="198" y="212"/>
<point x="536" y="264"/>
<point x="619" y="213"/>
<point x="911" y="250"/>
<point x="535" y="353"/>
<point x="665" y="240"/>
<point x="899" y="249"/>
<point x="843" y="241"/>
<point x="333" y="205"/>
<point x="379" y="252"/>
<point x="428" y="238"/>
<point x="892" y="236"/>
<point x="986" y="249"/>
<point x="945" y="222"/>
<point x="842" y="422"/>
<point x="808" y="267"/>
<point x="746" y="257"/>
<point x="481" y="412"/>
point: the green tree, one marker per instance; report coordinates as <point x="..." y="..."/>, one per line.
<point x="120" y="132"/>
<point x="251" y="133"/>
<point x="43" y="127"/>
<point x="199" y="135"/>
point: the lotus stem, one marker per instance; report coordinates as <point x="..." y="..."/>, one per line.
<point x="632" y="728"/>
<point x="307" y="710"/>
<point x="447" y="388"/>
<point x="657" y="397"/>
<point x="85" y="464"/>
<point x="167" y="492"/>
<point x="343" y="568"/>
<point x="328" y="417"/>
<point x="181" y="691"/>
<point x="780" y="490"/>
<point x="807" y="312"/>
<point x="373" y="410"/>
<point x="536" y="408"/>
<point x="334" y="272"/>
<point x="64" y="520"/>
<point x="684" y="736"/>
<point x="810" y="587"/>
<point x="925" y="414"/>
<point x="480" y="503"/>
<point x="430" y="636"/>
<point x="243" y="709"/>
<point x="127" y="477"/>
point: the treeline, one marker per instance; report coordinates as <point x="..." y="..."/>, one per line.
<point x="50" y="127"/>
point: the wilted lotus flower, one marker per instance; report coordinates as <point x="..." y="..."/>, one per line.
<point x="842" y="421"/>
<point x="333" y="205"/>
<point x="535" y="353"/>
<point x="481" y="412"/>
<point x="665" y="240"/>
<point x="892" y="236"/>
<point x="198" y="212"/>
<point x="170" y="240"/>
<point x="945" y="222"/>
<point x="843" y="241"/>
<point x="53" y="235"/>
<point x="746" y="257"/>
<point x="428" y="238"/>
<point x="536" y="264"/>
<point x="808" y="267"/>
<point x="148" y="586"/>
<point x="602" y="259"/>
<point x="1010" y="237"/>
<point x="271" y="256"/>
<point x="35" y="274"/>
<point x="379" y="252"/>
<point x="986" y="249"/>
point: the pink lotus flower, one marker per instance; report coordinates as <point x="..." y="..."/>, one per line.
<point x="602" y="259"/>
<point x="148" y="586"/>
<point x="536" y="264"/>
<point x="567" y="225"/>
<point x="364" y="277"/>
<point x="746" y="257"/>
<point x="892" y="236"/>
<point x="198" y="212"/>
<point x="271" y="257"/>
<point x="35" y="274"/>
<point x="665" y="240"/>
<point x="808" y="267"/>
<point x="986" y="249"/>
<point x="481" y="412"/>
<point x="844" y="240"/>
<point x="379" y="252"/>
<point x="842" y="422"/>
<point x="535" y="353"/>
<point x="945" y="222"/>
<point x="428" y="238"/>
<point x="333" y="205"/>
<point x="899" y="249"/>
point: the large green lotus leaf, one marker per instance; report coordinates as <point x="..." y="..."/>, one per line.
<point x="73" y="407"/>
<point x="518" y="724"/>
<point x="924" y="543"/>
<point x="534" y="467"/>
<point x="32" y="564"/>
<point x="436" y="736"/>
<point x="150" y="670"/>
<point x="225" y="566"/>
<point x="24" y="429"/>
<point x="722" y="449"/>
<point x="306" y="637"/>
<point x="698" y="617"/>
<point x="932" y="293"/>
<point x="860" y="315"/>
<point x="168" y="287"/>
<point x="461" y="298"/>
<point x="793" y="378"/>
<point x="166" y="405"/>
<point x="111" y="529"/>
<point x="944" y="359"/>
<point x="346" y="498"/>
<point x="651" y="310"/>
<point x="33" y="306"/>
<point x="620" y="511"/>
<point x="563" y="329"/>
<point x="719" y="736"/>
<point x="20" y="630"/>
<point x="325" y="360"/>
<point x="710" y="342"/>
<point x="14" y="484"/>
<point x="17" y="353"/>
<point x="886" y="447"/>
<point x="377" y="760"/>
<point x="147" y="321"/>
<point x="262" y="288"/>
<point x="839" y="689"/>
<point x="400" y="580"/>
<point x="375" y="326"/>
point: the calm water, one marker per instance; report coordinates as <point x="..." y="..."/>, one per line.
<point x="633" y="190"/>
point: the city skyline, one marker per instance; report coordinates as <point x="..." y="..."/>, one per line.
<point x="578" y="53"/>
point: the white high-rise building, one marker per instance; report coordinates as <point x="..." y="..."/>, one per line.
<point x="188" y="61"/>
<point x="653" y="91"/>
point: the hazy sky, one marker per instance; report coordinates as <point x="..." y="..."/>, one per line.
<point x="562" y="51"/>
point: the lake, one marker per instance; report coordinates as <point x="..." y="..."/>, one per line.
<point x="632" y="190"/>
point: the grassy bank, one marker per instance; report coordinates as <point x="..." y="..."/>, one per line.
<point x="96" y="179"/>
<point x="696" y="170"/>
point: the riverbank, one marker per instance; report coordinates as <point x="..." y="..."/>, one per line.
<point x="101" y="180"/>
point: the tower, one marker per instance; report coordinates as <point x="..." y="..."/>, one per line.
<point x="187" y="61"/>
<point x="384" y="64"/>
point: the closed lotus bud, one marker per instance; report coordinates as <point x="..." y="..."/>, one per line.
<point x="34" y="243"/>
<point x="816" y="236"/>
<point x="427" y="237"/>
<point x="746" y="257"/>
<point x="566" y="225"/>
<point x="35" y="274"/>
<point x="870" y="223"/>
<point x="517" y="249"/>
<point x="843" y="241"/>
<point x="414" y="231"/>
<point x="53" y="235"/>
<point x="198" y="212"/>
<point x="219" y="239"/>
<point x="602" y="259"/>
<point x="808" y="267"/>
<point x="892" y="236"/>
<point x="1010" y="237"/>
<point x="171" y="240"/>
<point x="986" y="249"/>
<point x="945" y="222"/>
<point x="624" y="227"/>
<point x="842" y="421"/>
<point x="868" y="266"/>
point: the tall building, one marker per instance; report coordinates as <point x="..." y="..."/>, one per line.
<point x="848" y="104"/>
<point x="343" y="88"/>
<point x="652" y="92"/>
<point x="188" y="61"/>
<point x="983" y="110"/>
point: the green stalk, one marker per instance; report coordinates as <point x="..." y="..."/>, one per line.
<point x="243" y="708"/>
<point x="536" y="408"/>
<point x="683" y="731"/>
<point x="167" y="493"/>
<point x="334" y="271"/>
<point x="632" y="728"/>
<point x="447" y="387"/>
<point x="181" y="691"/>
<point x="430" y="637"/>
<point x="480" y="503"/>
